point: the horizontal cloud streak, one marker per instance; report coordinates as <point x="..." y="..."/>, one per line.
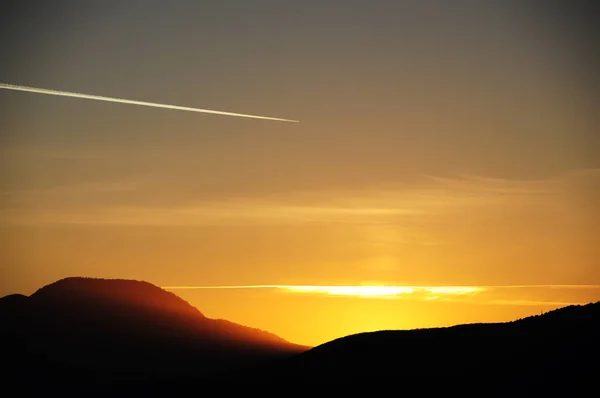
<point x="425" y="199"/>
<point x="133" y="102"/>
<point x="459" y="231"/>
<point x="360" y="291"/>
<point x="232" y="213"/>
<point x="496" y="295"/>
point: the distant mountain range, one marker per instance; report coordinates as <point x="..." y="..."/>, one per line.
<point x="81" y="336"/>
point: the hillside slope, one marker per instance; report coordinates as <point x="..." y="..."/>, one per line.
<point x="79" y="332"/>
<point x="553" y="353"/>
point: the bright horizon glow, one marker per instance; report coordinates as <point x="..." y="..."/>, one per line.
<point x="134" y="102"/>
<point x="383" y="291"/>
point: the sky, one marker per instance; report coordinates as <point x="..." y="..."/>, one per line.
<point x="447" y="150"/>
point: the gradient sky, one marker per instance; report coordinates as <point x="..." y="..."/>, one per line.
<point x="439" y="144"/>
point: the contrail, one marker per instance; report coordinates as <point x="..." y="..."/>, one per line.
<point x="133" y="102"/>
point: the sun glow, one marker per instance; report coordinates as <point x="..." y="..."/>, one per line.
<point x="431" y="292"/>
<point x="366" y="291"/>
<point x="357" y="291"/>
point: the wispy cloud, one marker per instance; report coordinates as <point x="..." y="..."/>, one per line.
<point x="70" y="189"/>
<point x="426" y="199"/>
<point x="355" y="291"/>
<point x="538" y="295"/>
<point x="32" y="154"/>
<point x="216" y="213"/>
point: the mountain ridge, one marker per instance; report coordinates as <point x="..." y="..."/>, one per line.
<point x="141" y="294"/>
<point x="101" y="331"/>
<point x="542" y="354"/>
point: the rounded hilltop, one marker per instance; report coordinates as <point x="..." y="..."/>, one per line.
<point x="121" y="291"/>
<point x="131" y="303"/>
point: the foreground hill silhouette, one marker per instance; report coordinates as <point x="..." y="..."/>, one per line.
<point x="79" y="333"/>
<point x="554" y="353"/>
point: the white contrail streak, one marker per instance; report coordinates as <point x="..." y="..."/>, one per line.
<point x="132" y="102"/>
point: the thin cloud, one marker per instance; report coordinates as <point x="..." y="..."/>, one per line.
<point x="355" y="291"/>
<point x="393" y="205"/>
<point x="494" y="294"/>
<point x="29" y="154"/>
<point x="68" y="189"/>
<point x="209" y="214"/>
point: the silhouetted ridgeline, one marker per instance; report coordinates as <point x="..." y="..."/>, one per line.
<point x="555" y="353"/>
<point x="124" y="338"/>
<point x="81" y="332"/>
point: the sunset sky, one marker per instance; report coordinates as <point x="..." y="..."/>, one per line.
<point x="447" y="150"/>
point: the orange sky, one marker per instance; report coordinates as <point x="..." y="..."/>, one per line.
<point x="437" y="146"/>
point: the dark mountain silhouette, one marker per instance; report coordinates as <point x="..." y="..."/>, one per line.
<point x="125" y="338"/>
<point x="79" y="333"/>
<point x="554" y="353"/>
